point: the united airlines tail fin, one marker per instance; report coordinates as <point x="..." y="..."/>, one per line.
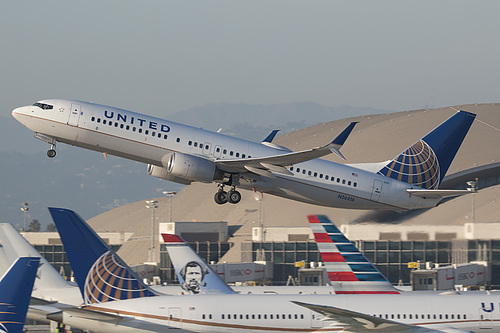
<point x="101" y="274"/>
<point x="348" y="269"/>
<point x="426" y="162"/>
<point x="194" y="275"/>
<point x="15" y="291"/>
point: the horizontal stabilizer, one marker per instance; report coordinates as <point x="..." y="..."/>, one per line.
<point x="85" y="314"/>
<point x="436" y="194"/>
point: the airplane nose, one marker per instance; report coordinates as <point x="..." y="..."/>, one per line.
<point x="18" y="113"/>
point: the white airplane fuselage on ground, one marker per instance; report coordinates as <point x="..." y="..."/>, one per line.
<point x="185" y="154"/>
<point x="262" y="313"/>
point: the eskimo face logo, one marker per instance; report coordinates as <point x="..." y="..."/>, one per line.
<point x="193" y="275"/>
<point x="417" y="165"/>
<point x="110" y="279"/>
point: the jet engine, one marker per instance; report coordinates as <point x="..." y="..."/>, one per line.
<point x="184" y="169"/>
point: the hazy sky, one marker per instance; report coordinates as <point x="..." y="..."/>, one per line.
<point x="161" y="57"/>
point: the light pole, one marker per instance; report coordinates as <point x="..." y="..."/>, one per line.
<point x="152" y="204"/>
<point x="169" y="195"/>
<point x="473" y="189"/>
<point x="25" y="210"/>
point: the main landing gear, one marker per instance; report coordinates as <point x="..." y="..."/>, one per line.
<point x="221" y="197"/>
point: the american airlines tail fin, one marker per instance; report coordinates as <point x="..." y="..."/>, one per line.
<point x="426" y="162"/>
<point x="101" y="275"/>
<point x="348" y="269"/>
<point x="15" y="291"/>
<point x="194" y="275"/>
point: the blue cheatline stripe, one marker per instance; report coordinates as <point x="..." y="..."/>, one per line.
<point x="362" y="268"/>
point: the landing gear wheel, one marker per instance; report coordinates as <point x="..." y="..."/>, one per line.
<point x="221" y="197"/>
<point x="51" y="153"/>
<point x="233" y="197"/>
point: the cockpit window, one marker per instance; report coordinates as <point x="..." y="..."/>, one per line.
<point x="44" y="106"/>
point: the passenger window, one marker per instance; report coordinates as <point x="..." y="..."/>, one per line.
<point x="140" y="130"/>
<point x="104" y="121"/>
<point x="343" y="181"/>
<point x="242" y="155"/>
<point x="153" y="134"/>
<point x="309" y="173"/>
<point x="98" y="120"/>
<point x="165" y="136"/>
<point x="349" y="183"/>
<point x="224" y="151"/>
<point x="315" y="174"/>
<point x="122" y="126"/>
<point x="303" y="171"/>
<point x="237" y="154"/>
<point x="127" y="128"/>
<point x="116" y="124"/>
<point x="146" y="132"/>
<point x="133" y="129"/>
<point x="355" y="184"/>
<point x="320" y="175"/>
<point x="178" y="140"/>
<point x="298" y="169"/>
<point x="231" y="153"/>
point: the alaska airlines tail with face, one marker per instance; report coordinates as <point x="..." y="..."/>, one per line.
<point x="194" y="275"/>
<point x="426" y="162"/>
<point x="348" y="269"/>
<point x="101" y="274"/>
<point x="15" y="291"/>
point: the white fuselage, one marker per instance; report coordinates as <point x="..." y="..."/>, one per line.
<point x="148" y="139"/>
<point x="261" y="313"/>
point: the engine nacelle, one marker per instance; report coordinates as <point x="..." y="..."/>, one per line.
<point x="162" y="173"/>
<point x="195" y="169"/>
<point x="185" y="169"/>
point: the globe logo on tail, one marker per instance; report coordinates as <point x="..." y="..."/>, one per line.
<point x="110" y="279"/>
<point x="417" y="165"/>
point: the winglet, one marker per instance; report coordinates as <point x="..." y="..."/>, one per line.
<point x="15" y="291"/>
<point x="340" y="139"/>
<point x="271" y="136"/>
<point x="90" y="256"/>
<point x="194" y="275"/>
<point x="348" y="269"/>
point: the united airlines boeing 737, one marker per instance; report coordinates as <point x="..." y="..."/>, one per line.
<point x="185" y="154"/>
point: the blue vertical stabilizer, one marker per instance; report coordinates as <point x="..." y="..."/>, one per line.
<point x="15" y="292"/>
<point x="101" y="275"/>
<point x="426" y="162"/>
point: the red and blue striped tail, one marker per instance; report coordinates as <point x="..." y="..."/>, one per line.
<point x="348" y="269"/>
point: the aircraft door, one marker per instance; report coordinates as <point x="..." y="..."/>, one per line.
<point x="174" y="318"/>
<point x="74" y="114"/>
<point x="207" y="147"/>
<point x="485" y="315"/>
<point x="377" y="190"/>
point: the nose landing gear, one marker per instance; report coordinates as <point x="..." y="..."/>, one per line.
<point x="52" y="151"/>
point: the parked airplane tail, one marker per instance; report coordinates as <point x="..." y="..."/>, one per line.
<point x="194" y="275"/>
<point x="348" y="269"/>
<point x="15" y="291"/>
<point x="426" y="162"/>
<point x="15" y="246"/>
<point x="101" y="274"/>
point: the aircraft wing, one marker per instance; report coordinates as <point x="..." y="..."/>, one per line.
<point x="278" y="163"/>
<point x="353" y="321"/>
<point x="436" y="194"/>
